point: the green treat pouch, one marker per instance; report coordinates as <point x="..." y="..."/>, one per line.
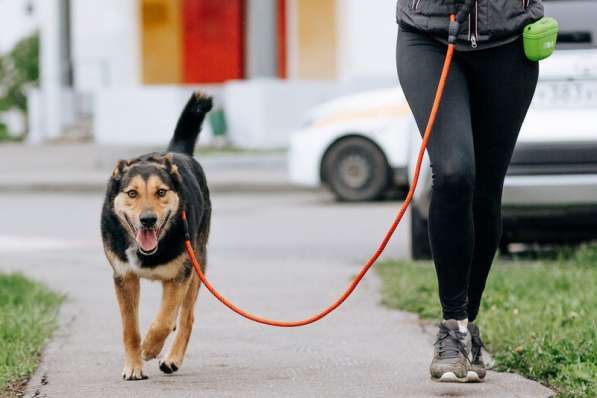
<point x="539" y="38"/>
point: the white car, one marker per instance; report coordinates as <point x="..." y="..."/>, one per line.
<point x="550" y="192"/>
<point x="358" y="145"/>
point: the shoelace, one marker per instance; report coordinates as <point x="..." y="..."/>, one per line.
<point x="449" y="343"/>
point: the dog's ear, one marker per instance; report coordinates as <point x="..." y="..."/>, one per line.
<point x="119" y="170"/>
<point x="171" y="168"/>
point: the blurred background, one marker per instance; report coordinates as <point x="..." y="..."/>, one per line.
<point x="118" y="71"/>
<point x="306" y="97"/>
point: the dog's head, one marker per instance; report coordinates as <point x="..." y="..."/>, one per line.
<point x="146" y="198"/>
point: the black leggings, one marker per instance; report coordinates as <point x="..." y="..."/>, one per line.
<point x="486" y="99"/>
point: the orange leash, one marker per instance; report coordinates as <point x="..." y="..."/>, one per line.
<point x="196" y="265"/>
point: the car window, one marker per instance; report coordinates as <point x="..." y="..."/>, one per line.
<point x="578" y="22"/>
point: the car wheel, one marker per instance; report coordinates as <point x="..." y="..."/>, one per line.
<point x="419" y="238"/>
<point x="355" y="169"/>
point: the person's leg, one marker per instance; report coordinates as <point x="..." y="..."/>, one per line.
<point x="502" y="83"/>
<point x="419" y="62"/>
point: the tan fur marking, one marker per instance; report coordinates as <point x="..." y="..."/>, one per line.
<point x="185" y="324"/>
<point x="127" y="294"/>
<point x="200" y="95"/>
<point x="146" y="199"/>
<point x="119" y="169"/>
<point x="112" y="259"/>
<point x="165" y="320"/>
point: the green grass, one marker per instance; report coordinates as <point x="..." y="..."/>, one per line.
<point x="5" y="136"/>
<point x="537" y="318"/>
<point x="27" y="318"/>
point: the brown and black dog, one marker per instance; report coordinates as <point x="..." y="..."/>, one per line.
<point x="143" y="237"/>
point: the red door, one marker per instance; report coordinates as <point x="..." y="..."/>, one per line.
<point x="213" y="40"/>
<point x="281" y="24"/>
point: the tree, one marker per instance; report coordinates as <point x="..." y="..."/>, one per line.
<point x="19" y="69"/>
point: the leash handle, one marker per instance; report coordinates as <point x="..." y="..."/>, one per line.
<point x="373" y="259"/>
<point x="455" y="21"/>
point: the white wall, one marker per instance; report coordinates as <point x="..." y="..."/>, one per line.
<point x="106" y="43"/>
<point x="263" y="113"/>
<point x="14" y="121"/>
<point x="144" y="115"/>
<point x="51" y="69"/>
<point x="15" y="23"/>
<point x="367" y="39"/>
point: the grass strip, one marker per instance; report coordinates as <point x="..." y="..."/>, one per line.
<point x="28" y="316"/>
<point x="537" y="318"/>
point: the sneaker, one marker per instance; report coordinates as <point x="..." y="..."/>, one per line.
<point x="477" y="363"/>
<point x="451" y="358"/>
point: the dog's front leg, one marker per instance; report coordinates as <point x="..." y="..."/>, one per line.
<point x="127" y="293"/>
<point x="174" y="359"/>
<point x="172" y="294"/>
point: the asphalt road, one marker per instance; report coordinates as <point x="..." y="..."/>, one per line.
<point x="279" y="255"/>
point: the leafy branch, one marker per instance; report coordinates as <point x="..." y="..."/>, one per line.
<point x="19" y="69"/>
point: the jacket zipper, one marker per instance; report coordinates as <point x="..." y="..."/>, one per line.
<point x="525" y="4"/>
<point x="472" y="25"/>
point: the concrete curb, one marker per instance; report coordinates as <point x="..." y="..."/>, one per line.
<point x="82" y="187"/>
<point x="53" y="169"/>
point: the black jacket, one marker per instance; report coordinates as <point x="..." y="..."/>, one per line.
<point x="490" y="23"/>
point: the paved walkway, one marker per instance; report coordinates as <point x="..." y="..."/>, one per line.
<point x="284" y="256"/>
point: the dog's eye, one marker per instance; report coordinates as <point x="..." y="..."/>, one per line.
<point x="132" y="194"/>
<point x="162" y="192"/>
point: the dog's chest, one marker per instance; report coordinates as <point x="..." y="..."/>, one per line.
<point x="166" y="271"/>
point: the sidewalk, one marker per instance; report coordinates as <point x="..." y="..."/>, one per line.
<point x="283" y="256"/>
<point x="86" y="168"/>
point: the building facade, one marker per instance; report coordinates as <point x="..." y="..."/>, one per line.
<point x="115" y="67"/>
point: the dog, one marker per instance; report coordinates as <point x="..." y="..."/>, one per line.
<point x="143" y="236"/>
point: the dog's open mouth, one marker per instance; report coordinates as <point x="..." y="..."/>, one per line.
<point x="147" y="238"/>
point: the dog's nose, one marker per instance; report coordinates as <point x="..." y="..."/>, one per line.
<point x="148" y="219"/>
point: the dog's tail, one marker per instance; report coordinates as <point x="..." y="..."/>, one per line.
<point x="189" y="124"/>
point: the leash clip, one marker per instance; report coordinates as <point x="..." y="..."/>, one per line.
<point x="453" y="29"/>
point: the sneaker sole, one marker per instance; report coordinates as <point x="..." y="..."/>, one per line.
<point x="450" y="377"/>
<point x="479" y="370"/>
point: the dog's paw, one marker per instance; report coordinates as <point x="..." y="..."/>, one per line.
<point x="132" y="372"/>
<point x="168" y="366"/>
<point x="150" y="352"/>
<point x="153" y="343"/>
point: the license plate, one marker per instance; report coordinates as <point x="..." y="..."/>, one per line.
<point x="566" y="94"/>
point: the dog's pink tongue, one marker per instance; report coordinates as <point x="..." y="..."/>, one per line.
<point x="147" y="239"/>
